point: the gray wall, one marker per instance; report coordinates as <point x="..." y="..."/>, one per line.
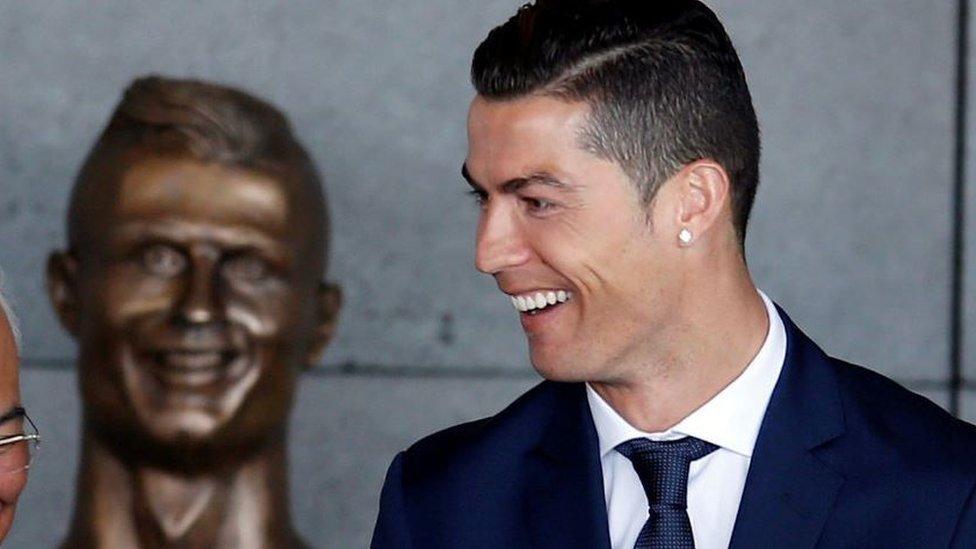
<point x="851" y="232"/>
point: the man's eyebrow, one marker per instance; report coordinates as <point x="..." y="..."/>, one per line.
<point x="512" y="185"/>
<point x="537" y="178"/>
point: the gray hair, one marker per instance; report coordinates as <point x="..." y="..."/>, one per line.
<point x="8" y="311"/>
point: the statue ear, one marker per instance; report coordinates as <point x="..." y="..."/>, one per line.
<point x="62" y="269"/>
<point x="328" y="303"/>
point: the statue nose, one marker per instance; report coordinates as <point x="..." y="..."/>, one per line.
<point x="200" y="303"/>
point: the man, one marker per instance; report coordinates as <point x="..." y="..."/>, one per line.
<point x="614" y="150"/>
<point x="197" y="235"/>
<point x="18" y="437"/>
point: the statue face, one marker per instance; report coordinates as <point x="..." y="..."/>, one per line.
<point x="195" y="301"/>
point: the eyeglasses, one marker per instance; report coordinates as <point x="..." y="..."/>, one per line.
<point x="17" y="450"/>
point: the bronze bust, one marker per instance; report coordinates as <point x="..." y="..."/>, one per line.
<point x="192" y="281"/>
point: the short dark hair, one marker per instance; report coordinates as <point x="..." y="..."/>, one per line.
<point x="663" y="81"/>
<point x="203" y="121"/>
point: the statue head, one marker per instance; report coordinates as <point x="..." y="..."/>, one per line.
<point x="192" y="280"/>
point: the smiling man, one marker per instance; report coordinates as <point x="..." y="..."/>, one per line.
<point x="18" y="436"/>
<point x="614" y="150"/>
<point x="192" y="281"/>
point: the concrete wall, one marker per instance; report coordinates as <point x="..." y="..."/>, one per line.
<point x="851" y="233"/>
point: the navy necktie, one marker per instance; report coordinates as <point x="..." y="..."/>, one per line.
<point x="663" y="470"/>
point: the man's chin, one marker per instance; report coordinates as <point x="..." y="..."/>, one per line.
<point x="6" y="519"/>
<point x="556" y="368"/>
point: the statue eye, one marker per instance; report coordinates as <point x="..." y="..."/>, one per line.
<point x="163" y="260"/>
<point x="246" y="268"/>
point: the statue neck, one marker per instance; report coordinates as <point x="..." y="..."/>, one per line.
<point x="119" y="505"/>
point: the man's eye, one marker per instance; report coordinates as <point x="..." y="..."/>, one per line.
<point x="163" y="260"/>
<point x="480" y="197"/>
<point x="246" y="268"/>
<point x="539" y="204"/>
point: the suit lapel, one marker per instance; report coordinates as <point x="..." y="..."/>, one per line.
<point x="789" y="492"/>
<point x="565" y="506"/>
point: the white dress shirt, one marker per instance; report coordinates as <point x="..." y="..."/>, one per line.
<point x="730" y="420"/>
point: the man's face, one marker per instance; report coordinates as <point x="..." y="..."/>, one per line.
<point x="197" y="300"/>
<point x="12" y="483"/>
<point x="557" y="220"/>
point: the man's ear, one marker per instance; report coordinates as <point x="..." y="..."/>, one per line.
<point x="62" y="289"/>
<point x="328" y="303"/>
<point x="704" y="195"/>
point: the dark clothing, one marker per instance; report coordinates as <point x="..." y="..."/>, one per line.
<point x="845" y="458"/>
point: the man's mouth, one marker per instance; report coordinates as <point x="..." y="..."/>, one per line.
<point x="535" y="302"/>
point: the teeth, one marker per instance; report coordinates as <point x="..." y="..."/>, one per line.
<point x="539" y="300"/>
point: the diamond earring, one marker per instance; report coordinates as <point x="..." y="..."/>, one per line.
<point x="685" y="236"/>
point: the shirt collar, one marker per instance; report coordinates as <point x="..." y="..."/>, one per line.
<point x="730" y="420"/>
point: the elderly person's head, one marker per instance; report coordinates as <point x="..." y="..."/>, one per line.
<point x="17" y="434"/>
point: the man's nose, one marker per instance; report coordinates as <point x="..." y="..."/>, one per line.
<point x="501" y="243"/>
<point x="200" y="302"/>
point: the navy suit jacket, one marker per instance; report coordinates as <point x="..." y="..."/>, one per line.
<point x="844" y="458"/>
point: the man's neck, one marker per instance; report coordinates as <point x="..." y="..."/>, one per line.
<point x="142" y="506"/>
<point x="719" y="329"/>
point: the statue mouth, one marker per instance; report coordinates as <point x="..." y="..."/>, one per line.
<point x="196" y="370"/>
<point x="183" y="389"/>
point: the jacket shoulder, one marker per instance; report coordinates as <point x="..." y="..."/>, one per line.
<point x="921" y="434"/>
<point x="485" y="442"/>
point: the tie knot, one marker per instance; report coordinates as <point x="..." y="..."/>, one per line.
<point x="663" y="466"/>
<point x="685" y="449"/>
